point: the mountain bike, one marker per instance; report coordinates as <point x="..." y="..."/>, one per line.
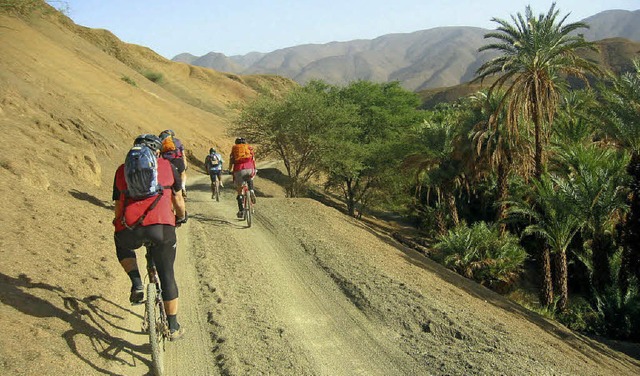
<point x="215" y="190"/>
<point x="247" y="204"/>
<point x="155" y="318"/>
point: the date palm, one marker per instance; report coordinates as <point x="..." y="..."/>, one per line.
<point x="554" y="219"/>
<point x="536" y="55"/>
<point x="622" y="116"/>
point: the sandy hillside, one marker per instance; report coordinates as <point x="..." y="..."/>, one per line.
<point x="305" y="291"/>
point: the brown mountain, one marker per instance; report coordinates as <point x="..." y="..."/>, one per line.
<point x="426" y="59"/>
<point x="304" y="291"/>
<point x="615" y="55"/>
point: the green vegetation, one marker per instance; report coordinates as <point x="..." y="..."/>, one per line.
<point x="129" y="80"/>
<point x="481" y="253"/>
<point x="529" y="170"/>
<point x="153" y="76"/>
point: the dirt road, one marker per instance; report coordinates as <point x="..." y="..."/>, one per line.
<point x="308" y="291"/>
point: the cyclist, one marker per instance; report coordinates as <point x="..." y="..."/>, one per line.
<point x="213" y="164"/>
<point x="242" y="164"/>
<point x="140" y="222"/>
<point x="173" y="150"/>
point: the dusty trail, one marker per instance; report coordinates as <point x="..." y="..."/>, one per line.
<point x="278" y="311"/>
<point x="308" y="291"/>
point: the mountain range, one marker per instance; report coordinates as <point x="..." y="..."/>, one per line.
<point x="426" y="59"/>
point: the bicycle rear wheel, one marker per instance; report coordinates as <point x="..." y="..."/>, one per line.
<point x="247" y="208"/>
<point x="217" y="190"/>
<point x="156" y="337"/>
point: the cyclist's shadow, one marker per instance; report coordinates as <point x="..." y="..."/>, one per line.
<point x="84" y="316"/>
<point x="217" y="221"/>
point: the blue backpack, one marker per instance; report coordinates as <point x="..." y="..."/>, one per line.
<point x="141" y="173"/>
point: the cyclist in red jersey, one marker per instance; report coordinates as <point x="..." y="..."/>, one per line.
<point x="242" y="164"/>
<point x="156" y="230"/>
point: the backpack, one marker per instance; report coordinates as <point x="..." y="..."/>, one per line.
<point x="168" y="144"/>
<point x="241" y="152"/>
<point x="171" y="147"/>
<point x="141" y="173"/>
<point x="214" y="161"/>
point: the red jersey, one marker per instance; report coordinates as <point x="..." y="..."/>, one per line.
<point x="244" y="164"/>
<point x="161" y="214"/>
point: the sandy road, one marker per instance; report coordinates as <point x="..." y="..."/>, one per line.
<point x="309" y="291"/>
<point x="271" y="308"/>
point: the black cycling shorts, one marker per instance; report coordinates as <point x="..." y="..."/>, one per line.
<point x="162" y="247"/>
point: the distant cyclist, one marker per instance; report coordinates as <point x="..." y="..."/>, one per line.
<point x="213" y="163"/>
<point x="148" y="206"/>
<point x="242" y="164"/>
<point x="173" y="151"/>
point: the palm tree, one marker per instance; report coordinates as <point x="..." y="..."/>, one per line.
<point x="537" y="54"/>
<point x="596" y="178"/>
<point x="554" y="219"/>
<point x="622" y="117"/>
<point x="500" y="149"/>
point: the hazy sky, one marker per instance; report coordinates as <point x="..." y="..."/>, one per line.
<point x="237" y="27"/>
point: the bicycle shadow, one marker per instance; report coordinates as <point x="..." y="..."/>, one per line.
<point x="86" y="317"/>
<point x="218" y="221"/>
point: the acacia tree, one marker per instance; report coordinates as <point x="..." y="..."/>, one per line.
<point x="293" y="128"/>
<point x="536" y="56"/>
<point x="363" y="151"/>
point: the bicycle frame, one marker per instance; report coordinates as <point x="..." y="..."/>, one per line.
<point x="155" y="318"/>
<point x="247" y="203"/>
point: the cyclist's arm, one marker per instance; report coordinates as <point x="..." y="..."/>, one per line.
<point x="176" y="198"/>
<point x="117" y="208"/>
<point x="178" y="204"/>
<point x="231" y="163"/>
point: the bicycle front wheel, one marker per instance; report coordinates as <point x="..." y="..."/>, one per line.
<point x="156" y="337"/>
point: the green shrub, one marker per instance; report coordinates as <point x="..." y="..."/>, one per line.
<point x="153" y="76"/>
<point x="129" y="80"/>
<point x="480" y="253"/>
<point x="580" y="316"/>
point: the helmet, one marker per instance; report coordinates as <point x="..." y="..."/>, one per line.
<point x="170" y="132"/>
<point x="150" y="140"/>
<point x="240" y="140"/>
<point x="212" y="150"/>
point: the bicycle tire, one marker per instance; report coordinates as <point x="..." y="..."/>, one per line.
<point x="217" y="191"/>
<point x="247" y="207"/>
<point x="156" y="338"/>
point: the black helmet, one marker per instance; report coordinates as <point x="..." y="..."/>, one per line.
<point x="169" y="132"/>
<point x="240" y="140"/>
<point x="150" y="140"/>
<point x="212" y="150"/>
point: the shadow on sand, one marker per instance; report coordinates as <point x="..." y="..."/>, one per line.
<point x="91" y="317"/>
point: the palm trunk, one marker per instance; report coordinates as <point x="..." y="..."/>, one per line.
<point x="562" y="277"/>
<point x="453" y="209"/>
<point x="502" y="196"/>
<point x="546" y="293"/>
<point x="601" y="265"/>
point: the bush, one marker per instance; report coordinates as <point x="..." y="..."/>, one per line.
<point x="154" y="76"/>
<point x="480" y="253"/>
<point x="129" y="80"/>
